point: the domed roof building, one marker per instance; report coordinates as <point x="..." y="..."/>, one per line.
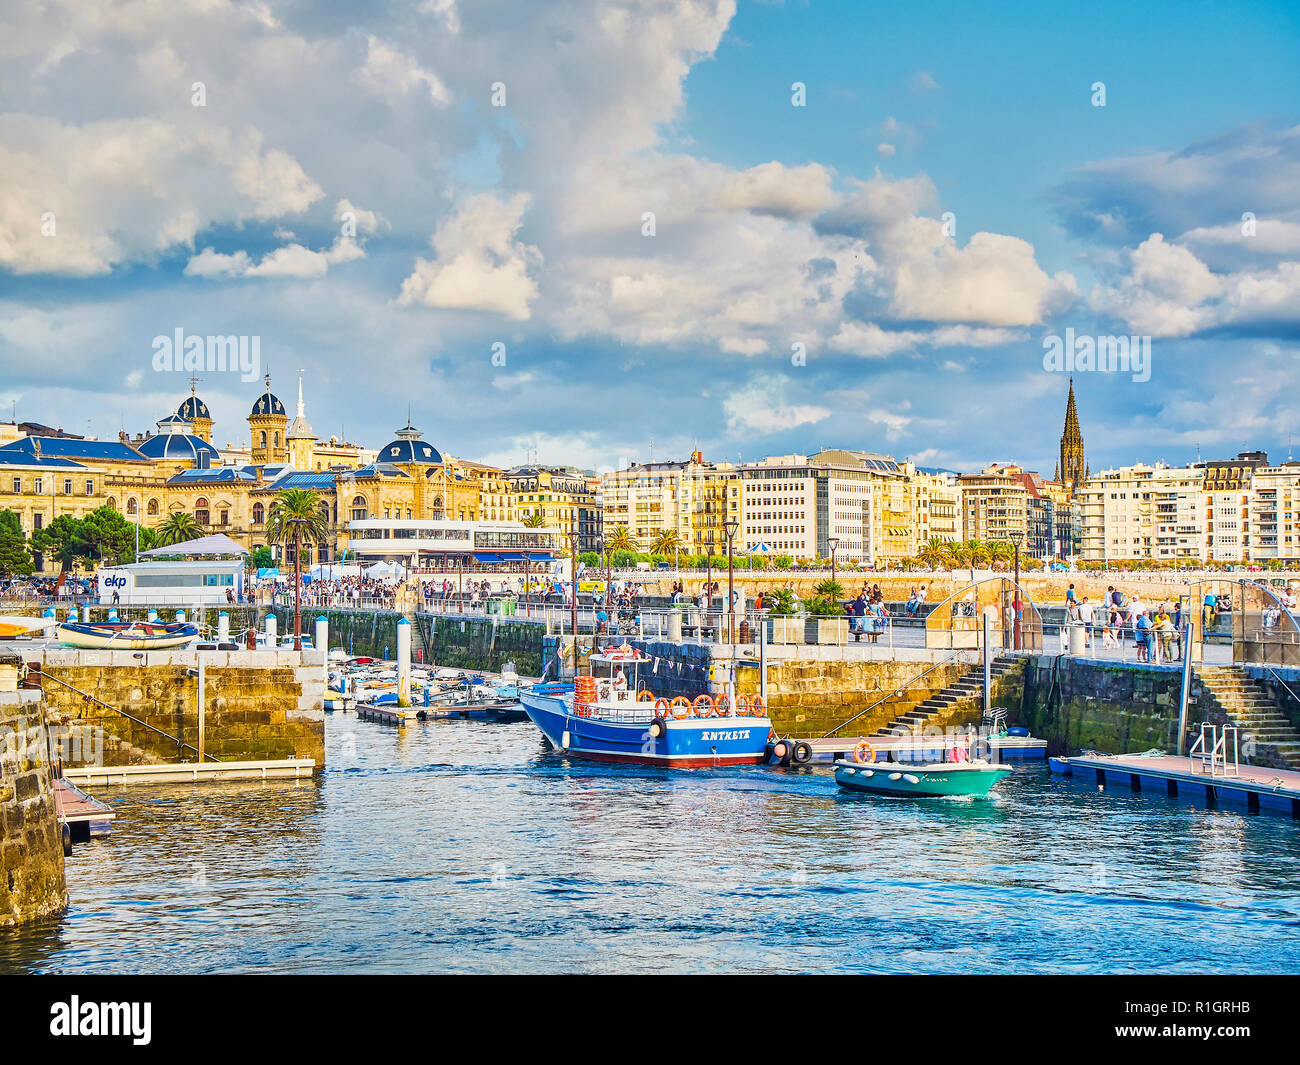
<point x="267" y="403"/>
<point x="266" y="429"/>
<point x="196" y="412"/>
<point x="175" y="443"/>
<point x="411" y="448"/>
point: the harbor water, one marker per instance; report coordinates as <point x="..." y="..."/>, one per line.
<point x="469" y="847"/>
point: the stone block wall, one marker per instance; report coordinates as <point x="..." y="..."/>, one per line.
<point x="1081" y="704"/>
<point x="478" y="643"/>
<point x="258" y="705"/>
<point x="32" y="882"/>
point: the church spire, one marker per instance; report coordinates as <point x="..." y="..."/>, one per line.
<point x="1071" y="468"/>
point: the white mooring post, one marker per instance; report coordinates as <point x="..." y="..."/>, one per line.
<point x="403" y="662"/>
<point x="271" y="642"/>
<point x="202" y="702"/>
<point x="988" y="661"/>
<point x="322" y="643"/>
<point x="223" y="627"/>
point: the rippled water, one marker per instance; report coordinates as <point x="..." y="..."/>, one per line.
<point x="467" y="846"/>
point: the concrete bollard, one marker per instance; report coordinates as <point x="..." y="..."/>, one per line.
<point x="403" y="662"/>
<point x="675" y="626"/>
<point x="272" y="641"/>
<point x="180" y="617"/>
<point x="223" y="627"/>
<point x="152" y="616"/>
<point x="85" y="612"/>
<point x="112" y="617"/>
<point x="1077" y="642"/>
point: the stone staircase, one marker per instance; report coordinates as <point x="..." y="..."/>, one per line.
<point x="933" y="710"/>
<point x="417" y="643"/>
<point x="1246" y="703"/>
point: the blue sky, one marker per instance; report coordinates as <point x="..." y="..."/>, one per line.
<point x="349" y="193"/>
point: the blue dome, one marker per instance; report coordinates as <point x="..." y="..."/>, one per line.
<point x="266" y="404"/>
<point x="179" y="447"/>
<point x="410" y="451"/>
<point x="193" y="408"/>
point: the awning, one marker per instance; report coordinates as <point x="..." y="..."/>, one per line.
<point x="511" y="557"/>
<point x="480" y="556"/>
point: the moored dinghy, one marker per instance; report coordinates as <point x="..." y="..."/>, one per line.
<point x="126" y="635"/>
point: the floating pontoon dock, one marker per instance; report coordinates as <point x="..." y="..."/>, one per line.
<point x="85" y="816"/>
<point x="1209" y="777"/>
<point x="191" y="772"/>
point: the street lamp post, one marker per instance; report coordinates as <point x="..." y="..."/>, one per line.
<point x="730" y="528"/>
<point x="834" y="543"/>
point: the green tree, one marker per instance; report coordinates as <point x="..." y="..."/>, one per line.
<point x="666" y="543"/>
<point x="783" y="562"/>
<point x="620" y="540"/>
<point x="177" y="528"/>
<point x="64" y="541"/>
<point x="262" y="557"/>
<point x="296" y="514"/>
<point x="935" y="554"/>
<point x="15" y="559"/>
<point x="535" y="521"/>
<point x="110" y="536"/>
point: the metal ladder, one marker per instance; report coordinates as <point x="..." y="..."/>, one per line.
<point x="1213" y="746"/>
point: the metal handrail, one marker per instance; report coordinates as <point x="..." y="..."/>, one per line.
<point x="181" y="744"/>
<point x="1282" y="682"/>
<point x="894" y="691"/>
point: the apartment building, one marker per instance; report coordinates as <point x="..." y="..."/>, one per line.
<point x="995" y="504"/>
<point x="1142" y="512"/>
<point x="694" y="499"/>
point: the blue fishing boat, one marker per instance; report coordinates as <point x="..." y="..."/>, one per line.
<point x="607" y="717"/>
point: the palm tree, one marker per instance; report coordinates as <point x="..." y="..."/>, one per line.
<point x="299" y="510"/>
<point x="620" y="540"/>
<point x="534" y="521"/>
<point x="178" y="528"/>
<point x="666" y="543"/>
<point x="936" y="553"/>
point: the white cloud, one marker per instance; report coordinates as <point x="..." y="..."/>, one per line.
<point x="760" y="407"/>
<point x="787" y="192"/>
<point x="132" y="189"/>
<point x="478" y="263"/>
<point x="395" y="75"/>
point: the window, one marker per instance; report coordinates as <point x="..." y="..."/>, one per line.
<point x="264" y="439"/>
<point x="152" y="508"/>
<point x="259" y="513"/>
<point x="18" y="485"/>
<point x="201" y="510"/>
<point x="131" y="507"/>
<point x="67" y="486"/>
<point x="359" y="508"/>
<point x="225" y="517"/>
<point x="38" y="485"/>
<point x="90" y="488"/>
<point x="38" y="522"/>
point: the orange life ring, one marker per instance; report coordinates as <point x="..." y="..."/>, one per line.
<point x="862" y="749"/>
<point x="645" y="695"/>
<point x="742" y="705"/>
<point x="661" y="704"/>
<point x="703" y="705"/>
<point x="722" y="704"/>
<point x="680" y="707"/>
<point x="757" y="707"/>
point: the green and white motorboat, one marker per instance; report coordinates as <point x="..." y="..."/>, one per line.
<point x="899" y="778"/>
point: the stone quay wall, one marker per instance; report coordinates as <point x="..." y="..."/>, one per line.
<point x="485" y="643"/>
<point x="361" y="633"/>
<point x="32" y="884"/>
<point x="1079" y="704"/>
<point x="259" y="705"/>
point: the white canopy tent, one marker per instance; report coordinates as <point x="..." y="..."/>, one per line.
<point x="386" y="569"/>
